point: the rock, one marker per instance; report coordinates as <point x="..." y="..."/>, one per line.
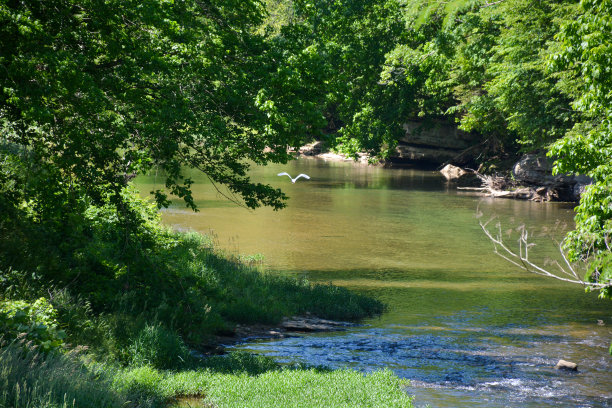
<point x="408" y="153"/>
<point x="566" y="365"/>
<point x="581" y="183"/>
<point x="312" y="324"/>
<point x="437" y="134"/>
<point x="451" y="172"/>
<point x="313" y="149"/>
<point x="535" y="170"/>
<point x="432" y="142"/>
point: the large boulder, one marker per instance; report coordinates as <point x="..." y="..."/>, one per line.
<point x="535" y="170"/>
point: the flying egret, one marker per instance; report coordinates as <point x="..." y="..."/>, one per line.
<point x="293" y="180"/>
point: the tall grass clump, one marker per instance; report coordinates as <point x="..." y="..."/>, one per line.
<point x="158" y="347"/>
<point x="29" y="378"/>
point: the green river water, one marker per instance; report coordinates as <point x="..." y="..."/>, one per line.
<point x="466" y="327"/>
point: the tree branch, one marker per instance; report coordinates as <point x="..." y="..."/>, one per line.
<point x="521" y="259"/>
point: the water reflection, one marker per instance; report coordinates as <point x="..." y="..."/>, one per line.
<point x="466" y="327"/>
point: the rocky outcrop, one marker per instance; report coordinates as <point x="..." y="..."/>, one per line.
<point x="535" y="172"/>
<point x="313" y="324"/>
<point x="434" y="142"/>
<point x="286" y="328"/>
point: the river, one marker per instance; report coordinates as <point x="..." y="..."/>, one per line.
<point x="467" y="328"/>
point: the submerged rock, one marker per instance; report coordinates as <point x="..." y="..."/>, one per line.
<point x="566" y="365"/>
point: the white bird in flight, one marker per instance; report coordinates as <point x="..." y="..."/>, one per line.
<point x="293" y="180"/>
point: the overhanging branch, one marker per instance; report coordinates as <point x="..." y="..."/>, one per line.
<point x="520" y="258"/>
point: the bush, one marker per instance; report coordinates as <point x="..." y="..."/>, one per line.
<point x="33" y="321"/>
<point x="158" y="347"/>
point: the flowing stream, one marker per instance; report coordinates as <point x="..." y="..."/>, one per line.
<point x="467" y="328"/>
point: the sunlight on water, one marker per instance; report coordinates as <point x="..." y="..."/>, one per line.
<point x="466" y="327"/>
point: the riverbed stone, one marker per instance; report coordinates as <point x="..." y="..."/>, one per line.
<point x="566" y="365"/>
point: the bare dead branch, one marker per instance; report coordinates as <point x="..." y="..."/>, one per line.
<point x="520" y="258"/>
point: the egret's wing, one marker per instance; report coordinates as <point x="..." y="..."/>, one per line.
<point x="284" y="174"/>
<point x="303" y="175"/>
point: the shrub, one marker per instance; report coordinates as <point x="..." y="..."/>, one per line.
<point x="35" y="321"/>
<point x="158" y="347"/>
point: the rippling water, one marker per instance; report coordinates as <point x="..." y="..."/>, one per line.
<point x="465" y="327"/>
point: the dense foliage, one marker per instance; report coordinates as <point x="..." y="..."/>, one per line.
<point x="586" y="51"/>
<point x="35" y="323"/>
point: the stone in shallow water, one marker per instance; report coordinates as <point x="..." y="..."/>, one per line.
<point x="313" y="324"/>
<point x="566" y="365"/>
<point x="451" y="172"/>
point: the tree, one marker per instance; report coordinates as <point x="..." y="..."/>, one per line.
<point x="352" y="38"/>
<point x="586" y="52"/>
<point x="94" y="92"/>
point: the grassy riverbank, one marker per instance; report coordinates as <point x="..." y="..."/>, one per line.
<point x="237" y="380"/>
<point x="107" y="315"/>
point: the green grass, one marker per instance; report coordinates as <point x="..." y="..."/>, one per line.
<point x="308" y="388"/>
<point x="32" y="379"/>
<point x="237" y="380"/>
<point x="274" y="388"/>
